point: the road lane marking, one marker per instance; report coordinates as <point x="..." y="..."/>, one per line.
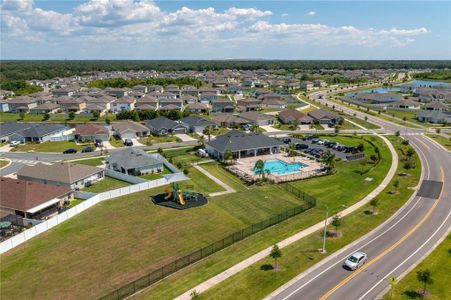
<point x="392" y="247"/>
<point x="374" y="238"/>
<point x="424" y="144"/>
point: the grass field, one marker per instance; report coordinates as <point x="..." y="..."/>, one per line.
<point x="107" y="184"/>
<point x="122" y="239"/>
<point x="441" y="140"/>
<point x="186" y="155"/>
<point x="438" y="264"/>
<point x="336" y="195"/>
<point x="256" y="283"/>
<point x="361" y="122"/>
<point x="3" y="163"/>
<point x="50" y="147"/>
<point x="154" y="139"/>
<point x="90" y="161"/>
<point x="57" y="118"/>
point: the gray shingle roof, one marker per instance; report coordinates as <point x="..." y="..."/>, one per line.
<point x="131" y="158"/>
<point x="161" y="123"/>
<point x="29" y="129"/>
<point x="193" y="121"/>
<point x="236" y="140"/>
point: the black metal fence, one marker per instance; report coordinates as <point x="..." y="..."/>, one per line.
<point x="152" y="277"/>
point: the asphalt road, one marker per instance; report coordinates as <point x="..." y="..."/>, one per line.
<point x="395" y="245"/>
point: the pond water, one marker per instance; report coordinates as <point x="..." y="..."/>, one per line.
<point x="397" y="88"/>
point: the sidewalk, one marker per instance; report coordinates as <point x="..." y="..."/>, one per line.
<point x="227" y="188"/>
<point x="294" y="238"/>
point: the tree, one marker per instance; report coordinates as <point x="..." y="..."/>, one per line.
<point x="201" y="140"/>
<point x="366" y="118"/>
<point x="95" y="115"/>
<point x="374" y="203"/>
<point x="329" y="160"/>
<point x="194" y="295"/>
<point x="107" y="121"/>
<point x="396" y="183"/>
<point x="373" y="158"/>
<point x="275" y="254"/>
<point x="337" y="129"/>
<point x="46" y="117"/>
<point x="360" y="147"/>
<point x="22" y="116"/>
<point x="397" y="133"/>
<point x="336" y="222"/>
<point x="255" y="128"/>
<point x="71" y="115"/>
<point x="425" y="278"/>
<point x="228" y="155"/>
<point x="259" y="167"/>
<point x="207" y="131"/>
<point x="295" y="124"/>
<point x="292" y="149"/>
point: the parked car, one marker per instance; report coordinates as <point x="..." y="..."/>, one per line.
<point x="98" y="143"/>
<point x="87" y="149"/>
<point x="315" y="140"/>
<point x="69" y="151"/>
<point x="301" y="146"/>
<point x="320" y="142"/>
<point x="308" y="137"/>
<point x="286" y="140"/>
<point x="128" y="142"/>
<point x="355" y="261"/>
<point x="14" y="143"/>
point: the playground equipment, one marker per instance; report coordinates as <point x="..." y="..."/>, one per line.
<point x="178" y="198"/>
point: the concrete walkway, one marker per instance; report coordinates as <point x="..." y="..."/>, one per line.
<point x="185" y="137"/>
<point x="294" y="238"/>
<point x="355" y="124"/>
<point x="227" y="188"/>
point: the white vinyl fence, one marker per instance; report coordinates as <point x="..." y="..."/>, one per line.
<point x="52" y="222"/>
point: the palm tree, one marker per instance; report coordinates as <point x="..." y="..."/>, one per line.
<point x="255" y="128"/>
<point x="291" y="149"/>
<point x="329" y="160"/>
<point x="201" y="140"/>
<point x="295" y="124"/>
<point x="207" y="131"/>
<point x="260" y="167"/>
<point x="228" y="155"/>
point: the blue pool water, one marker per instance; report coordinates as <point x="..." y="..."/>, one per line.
<point x="282" y="168"/>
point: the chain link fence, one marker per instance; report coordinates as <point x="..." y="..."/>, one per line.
<point x="154" y="276"/>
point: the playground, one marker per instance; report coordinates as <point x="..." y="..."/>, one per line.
<point x="178" y="198"/>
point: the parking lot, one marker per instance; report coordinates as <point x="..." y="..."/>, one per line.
<point x="310" y="144"/>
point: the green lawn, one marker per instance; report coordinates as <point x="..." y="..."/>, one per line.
<point x="255" y="283"/>
<point x="438" y="263"/>
<point x="441" y="140"/>
<point x="154" y="139"/>
<point x="228" y="178"/>
<point x="361" y="122"/>
<point x="348" y="125"/>
<point x="156" y="175"/>
<point x="75" y="202"/>
<point x="3" y="163"/>
<point x="107" y="184"/>
<point x="90" y="161"/>
<point x="184" y="156"/>
<point x="119" y="240"/>
<point x="56" y="118"/>
<point x="219" y="131"/>
<point x="50" y="146"/>
<point x="338" y="193"/>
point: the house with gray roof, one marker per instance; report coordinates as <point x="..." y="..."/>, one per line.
<point x="197" y="124"/>
<point x="70" y="175"/>
<point x="434" y="116"/>
<point x="128" y="129"/>
<point x="242" y="144"/>
<point x="163" y="126"/>
<point x="134" y="161"/>
<point x="324" y="116"/>
<point x="257" y="118"/>
<point x="32" y="132"/>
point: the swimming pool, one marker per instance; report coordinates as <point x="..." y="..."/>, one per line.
<point x="281" y="168"/>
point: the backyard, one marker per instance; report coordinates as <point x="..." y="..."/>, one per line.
<point x="156" y="139"/>
<point x="50" y="146"/>
<point x="106" y="184"/>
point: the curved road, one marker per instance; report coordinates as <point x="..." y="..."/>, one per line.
<point x="394" y="246"/>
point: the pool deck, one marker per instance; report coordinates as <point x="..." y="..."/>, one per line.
<point x="244" y="167"/>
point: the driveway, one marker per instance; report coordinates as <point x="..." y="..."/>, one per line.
<point x="136" y="142"/>
<point x="108" y="145"/>
<point x="5" y="148"/>
<point x="269" y="128"/>
<point x="185" y="137"/>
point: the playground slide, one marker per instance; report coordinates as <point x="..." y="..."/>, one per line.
<point x="181" y="199"/>
<point x="168" y="196"/>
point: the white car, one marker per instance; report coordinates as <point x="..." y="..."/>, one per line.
<point x="355" y="261"/>
<point x="14" y="143"/>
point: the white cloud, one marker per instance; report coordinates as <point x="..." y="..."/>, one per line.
<point x="311" y="13"/>
<point x="248" y="12"/>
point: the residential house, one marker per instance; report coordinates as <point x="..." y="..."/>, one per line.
<point x="306" y="85"/>
<point x="123" y="104"/>
<point x="163" y="126"/>
<point x="242" y="145"/>
<point x="324" y="116"/>
<point x="21" y="104"/>
<point x="69" y="104"/>
<point x="155" y="89"/>
<point x="4" y="106"/>
<point x="33" y="132"/>
<point x="163" y="95"/>
<point x="173" y="89"/>
<point x="129" y="129"/>
<point x="406" y="104"/>
<point x="207" y="98"/>
<point x="377" y="98"/>
<point x="65" y="174"/>
<point x="199" y="108"/>
<point x="63" y="92"/>
<point x="257" y="118"/>
<point x="436" y="106"/>
<point x="229" y="121"/>
<point x="272" y="103"/>
<point x="174" y="102"/>
<point x="189" y="90"/>
<point x="32" y="200"/>
<point x="117" y="92"/>
<point x="135" y="162"/>
<point x="197" y="124"/>
<point x="289" y="116"/>
<point x="249" y="104"/>
<point x="188" y="99"/>
<point x="45" y="108"/>
<point x="91" y="132"/>
<point x="435" y="116"/>
<point x="141" y="89"/>
<point x="222" y="105"/>
<point x="319" y="83"/>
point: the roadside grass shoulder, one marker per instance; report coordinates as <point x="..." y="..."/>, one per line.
<point x="441" y="140"/>
<point x="90" y="161"/>
<point x="50" y="146"/>
<point x="438" y="264"/>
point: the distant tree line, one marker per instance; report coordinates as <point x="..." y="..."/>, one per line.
<point x="332" y="80"/>
<point x="435" y="75"/>
<point x="20" y="87"/>
<point x="121" y="83"/>
<point x="26" y="70"/>
<point x="150" y="114"/>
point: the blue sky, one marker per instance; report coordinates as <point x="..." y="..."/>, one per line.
<point x="147" y="29"/>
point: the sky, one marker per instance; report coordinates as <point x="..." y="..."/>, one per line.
<point x="152" y="29"/>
